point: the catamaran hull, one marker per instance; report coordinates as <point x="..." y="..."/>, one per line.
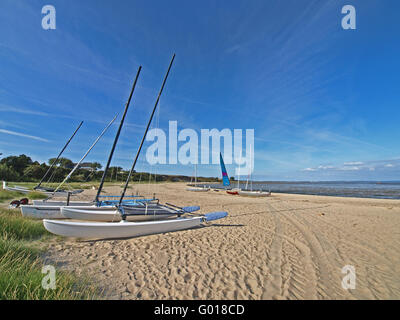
<point x="53" y="211"/>
<point x="118" y="229"/>
<point x="111" y="214"/>
<point x="254" y="194"/>
<point x="198" y="189"/>
<point x="47" y="193"/>
<point x="60" y="203"/>
<point x="113" y="230"/>
<point x="15" y="188"/>
<point x="41" y="212"/>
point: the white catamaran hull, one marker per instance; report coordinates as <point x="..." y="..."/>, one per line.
<point x="61" y="203"/>
<point x="44" y="211"/>
<point x="111" y="214"/>
<point x="195" y="189"/>
<point x="254" y="193"/>
<point x="118" y="229"/>
<point x="15" y="188"/>
<point x="113" y="230"/>
<point x="26" y="191"/>
<point x="41" y="212"/>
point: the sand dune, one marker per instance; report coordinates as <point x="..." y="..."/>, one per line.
<point x="282" y="247"/>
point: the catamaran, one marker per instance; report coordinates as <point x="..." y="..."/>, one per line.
<point x="225" y="178"/>
<point x="47" y="191"/>
<point x="124" y="229"/>
<point x="138" y="211"/>
<point x="251" y="192"/>
<point x="196" y="188"/>
<point x="51" y="209"/>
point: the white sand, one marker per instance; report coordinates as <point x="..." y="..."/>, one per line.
<point x="282" y="247"/>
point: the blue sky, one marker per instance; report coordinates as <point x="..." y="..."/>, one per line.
<point x="323" y="101"/>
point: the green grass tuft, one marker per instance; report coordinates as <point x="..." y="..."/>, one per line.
<point x="34" y="195"/>
<point x="21" y="263"/>
<point x="10" y="195"/>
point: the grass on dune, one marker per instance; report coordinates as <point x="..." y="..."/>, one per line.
<point x="21" y="264"/>
<point x="14" y="195"/>
<point x="9" y="195"/>
<point x="34" y="195"/>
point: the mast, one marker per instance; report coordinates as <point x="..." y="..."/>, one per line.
<point x="116" y="137"/>
<point x="84" y="156"/>
<point x="145" y="133"/>
<point x="59" y="155"/>
<point x="251" y="169"/>
<point x="239" y="175"/>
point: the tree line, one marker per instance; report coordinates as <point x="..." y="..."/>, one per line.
<point x="23" y="169"/>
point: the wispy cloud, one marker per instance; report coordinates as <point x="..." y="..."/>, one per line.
<point x="5" y="108"/>
<point x="358" y="166"/>
<point x="19" y="134"/>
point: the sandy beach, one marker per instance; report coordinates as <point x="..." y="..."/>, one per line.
<point x="281" y="247"/>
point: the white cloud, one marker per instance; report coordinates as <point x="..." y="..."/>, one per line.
<point x="354" y="163"/>
<point x="23" y="135"/>
<point x="4" y="108"/>
<point x="326" y="167"/>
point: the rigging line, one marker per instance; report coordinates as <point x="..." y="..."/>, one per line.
<point x="117" y="137"/>
<point x="59" y="155"/>
<point x="145" y="133"/>
<point x="84" y="156"/>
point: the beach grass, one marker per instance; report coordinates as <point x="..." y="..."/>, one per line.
<point x="13" y="195"/>
<point x="22" y="245"/>
<point x="34" y="195"/>
<point x="9" y="195"/>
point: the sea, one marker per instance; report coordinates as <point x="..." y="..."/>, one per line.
<point x="358" y="189"/>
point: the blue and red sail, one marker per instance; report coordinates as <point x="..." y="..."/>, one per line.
<point x="225" y="178"/>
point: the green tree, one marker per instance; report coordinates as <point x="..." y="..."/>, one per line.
<point x="17" y="163"/>
<point x="95" y="166"/>
<point x="7" y="173"/>
<point x="34" y="172"/>
<point x="62" y="162"/>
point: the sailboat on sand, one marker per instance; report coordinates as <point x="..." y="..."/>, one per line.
<point x="195" y="188"/>
<point x="225" y="178"/>
<point x="52" y="209"/>
<point x="46" y="190"/>
<point x="124" y="229"/>
<point x="251" y="192"/>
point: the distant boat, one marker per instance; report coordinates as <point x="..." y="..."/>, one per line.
<point x="15" y="188"/>
<point x="195" y="188"/>
<point x="225" y="178"/>
<point x="23" y="190"/>
<point x="251" y="193"/>
<point x="256" y="193"/>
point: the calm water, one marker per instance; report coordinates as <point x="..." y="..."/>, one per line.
<point x="381" y="190"/>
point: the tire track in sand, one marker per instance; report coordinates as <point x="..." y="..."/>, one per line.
<point x="273" y="287"/>
<point x="301" y="281"/>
